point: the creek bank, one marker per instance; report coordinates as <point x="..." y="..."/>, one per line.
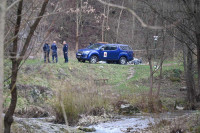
<point x="34" y="93"/>
<point x="38" y="125"/>
<point x="137" y="123"/>
<point x="187" y="123"/>
<point x="141" y="122"/>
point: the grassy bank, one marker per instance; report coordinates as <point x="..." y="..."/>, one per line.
<point x="73" y="84"/>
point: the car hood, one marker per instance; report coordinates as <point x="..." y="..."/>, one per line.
<point x="85" y="49"/>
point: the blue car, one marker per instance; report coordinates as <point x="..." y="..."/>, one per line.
<point x="120" y="53"/>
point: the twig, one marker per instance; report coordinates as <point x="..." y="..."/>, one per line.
<point x="143" y="24"/>
<point x="14" y="3"/>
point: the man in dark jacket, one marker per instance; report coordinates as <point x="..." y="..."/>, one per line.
<point x="54" y="51"/>
<point x="46" y="50"/>
<point x="65" y="51"/>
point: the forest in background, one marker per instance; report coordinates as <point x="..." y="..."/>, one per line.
<point x="96" y="22"/>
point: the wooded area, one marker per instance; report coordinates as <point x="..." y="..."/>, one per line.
<point x="159" y="31"/>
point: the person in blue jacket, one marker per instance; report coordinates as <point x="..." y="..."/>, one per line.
<point x="65" y="51"/>
<point x="46" y="50"/>
<point x="54" y="52"/>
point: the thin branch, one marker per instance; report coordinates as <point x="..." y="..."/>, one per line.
<point x="13" y="4"/>
<point x="143" y="24"/>
<point x="17" y="27"/>
<point x="33" y="28"/>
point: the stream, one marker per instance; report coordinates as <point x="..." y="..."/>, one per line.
<point x="136" y="123"/>
<point x="124" y="124"/>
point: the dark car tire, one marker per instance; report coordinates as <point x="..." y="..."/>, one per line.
<point x="123" y="61"/>
<point x="93" y="59"/>
<point x="80" y="60"/>
<point x="109" y="62"/>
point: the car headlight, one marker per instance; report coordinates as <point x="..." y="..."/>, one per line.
<point x="86" y="52"/>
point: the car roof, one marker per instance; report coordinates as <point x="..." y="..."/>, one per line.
<point x="112" y="44"/>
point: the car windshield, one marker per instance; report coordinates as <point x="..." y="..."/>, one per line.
<point x="94" y="46"/>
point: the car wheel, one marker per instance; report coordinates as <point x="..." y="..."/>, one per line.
<point x="93" y="59"/>
<point x="81" y="60"/>
<point x="123" y="60"/>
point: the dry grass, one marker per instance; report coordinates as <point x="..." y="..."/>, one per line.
<point x="79" y="99"/>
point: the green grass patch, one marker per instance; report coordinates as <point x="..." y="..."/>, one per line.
<point x="73" y="82"/>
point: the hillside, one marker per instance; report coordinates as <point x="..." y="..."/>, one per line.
<point x="83" y="87"/>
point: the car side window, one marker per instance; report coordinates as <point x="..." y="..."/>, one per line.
<point x="125" y="48"/>
<point x="122" y="47"/>
<point x="107" y="48"/>
<point x="113" y="47"/>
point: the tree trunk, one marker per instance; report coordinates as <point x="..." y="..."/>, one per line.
<point x="2" y="29"/>
<point x="133" y="27"/>
<point x="77" y="25"/>
<point x="107" y="20"/>
<point x="160" y="79"/>
<point x="198" y="62"/>
<point x="8" y="119"/>
<point x="174" y="44"/>
<point x="190" y="80"/>
<point x="118" y="25"/>
<point x="103" y="25"/>
<point x="151" y="78"/>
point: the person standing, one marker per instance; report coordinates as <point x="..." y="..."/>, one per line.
<point x="46" y="50"/>
<point x="65" y="51"/>
<point x="54" y="52"/>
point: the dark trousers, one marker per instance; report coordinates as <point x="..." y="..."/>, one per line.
<point x="54" y="55"/>
<point x="66" y="57"/>
<point x="46" y="57"/>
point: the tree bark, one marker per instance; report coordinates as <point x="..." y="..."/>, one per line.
<point x="151" y="78"/>
<point x="190" y="80"/>
<point x="198" y="61"/>
<point x="77" y="25"/>
<point x="150" y="102"/>
<point x="160" y="80"/>
<point x="103" y="25"/>
<point x="119" y="19"/>
<point x="107" y="20"/>
<point x="2" y="30"/>
<point x="8" y="119"/>
<point x="174" y="44"/>
<point x="133" y="27"/>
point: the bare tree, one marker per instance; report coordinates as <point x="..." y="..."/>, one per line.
<point x="78" y="21"/>
<point x="2" y="28"/>
<point x="107" y="20"/>
<point x="8" y="119"/>
<point x="118" y="25"/>
<point x="192" y="10"/>
<point x="189" y="76"/>
<point x="103" y="24"/>
<point x="133" y="27"/>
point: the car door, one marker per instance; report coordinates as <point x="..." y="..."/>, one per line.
<point x="105" y="52"/>
<point x="113" y="53"/>
<point x="130" y="53"/>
